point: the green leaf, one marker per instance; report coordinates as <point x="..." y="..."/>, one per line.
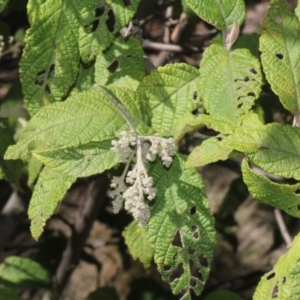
<point x="222" y="295"/>
<point x="122" y="64"/>
<point x="84" y="117"/>
<point x="279" y="150"/>
<point x="34" y="168"/>
<point x="171" y="91"/>
<point x="81" y="161"/>
<point x="85" y="77"/>
<point x="221" y="14"/>
<point x="181" y="228"/>
<point x="281" y="196"/>
<point x="230" y="82"/>
<point x="3" y="4"/>
<point x="283" y="281"/>
<point x="242" y="139"/>
<point x="23" y="273"/>
<point x="137" y="243"/>
<point x="49" y="64"/>
<point x="100" y="23"/>
<point x="279" y="44"/>
<point x="47" y="195"/>
<point x="11" y="170"/>
<point x="6" y="294"/>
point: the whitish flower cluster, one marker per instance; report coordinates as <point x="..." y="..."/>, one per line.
<point x="133" y="186"/>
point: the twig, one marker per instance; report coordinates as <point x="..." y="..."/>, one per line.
<point x="283" y="230"/>
<point x="93" y="196"/>
<point x="147" y="44"/>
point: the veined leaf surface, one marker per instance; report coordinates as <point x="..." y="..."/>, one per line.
<point x="181" y="227"/>
<point x="280" y="47"/>
<point x="82" y="161"/>
<point x="230" y="82"/>
<point x="278" y="195"/>
<point x="49" y="64"/>
<point x="171" y="91"/>
<point x="100" y="23"/>
<point x="47" y="195"/>
<point x="219" y="13"/>
<point x="84" y="117"/>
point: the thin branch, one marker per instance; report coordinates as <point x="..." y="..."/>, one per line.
<point x="282" y="227"/>
<point x="147" y="44"/>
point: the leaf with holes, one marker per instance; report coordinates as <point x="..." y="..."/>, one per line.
<point x="49" y="65"/>
<point x="171" y="91"/>
<point x="23" y="273"/>
<point x="280" y="47"/>
<point x="81" y="161"/>
<point x="282" y="283"/>
<point x="122" y="64"/>
<point x="279" y="150"/>
<point x="101" y="22"/>
<point x="181" y="228"/>
<point x="242" y="139"/>
<point x="137" y="243"/>
<point x="281" y="196"/>
<point x="84" y="117"/>
<point x="47" y="195"/>
<point x="219" y="13"/>
<point x="230" y="82"/>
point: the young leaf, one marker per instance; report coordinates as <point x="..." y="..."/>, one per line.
<point x="171" y="91"/>
<point x="230" y="82"/>
<point x="278" y="195"/>
<point x="137" y="243"/>
<point x="181" y="228"/>
<point x="282" y="283"/>
<point x="49" y="64"/>
<point x="279" y="150"/>
<point x="84" y="117"/>
<point x="23" y="273"/>
<point x="100" y="23"/>
<point x="122" y="64"/>
<point x="221" y="14"/>
<point x="280" y="47"/>
<point x="81" y="161"/>
<point x="47" y="195"/>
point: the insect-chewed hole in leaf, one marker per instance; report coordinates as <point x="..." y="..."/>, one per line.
<point x="193" y="210"/>
<point x="279" y="56"/>
<point x="193" y="282"/>
<point x="251" y="94"/>
<point x="283" y="280"/>
<point x="99" y="11"/>
<point x="128" y="56"/>
<point x="191" y="250"/>
<point x="275" y="291"/>
<point x="47" y="89"/>
<point x="203" y="261"/>
<point x="40" y="80"/>
<point x="177" y="273"/>
<point x="240" y="105"/>
<point x="246" y="79"/>
<point x="177" y="240"/>
<point x="166" y="268"/>
<point x="195" y="232"/>
<point x="253" y="71"/>
<point x="272" y="275"/>
<point x="126" y="3"/>
<point x="175" y="256"/>
<point x="111" y="21"/>
<point x="195" y="271"/>
<point x="113" y="67"/>
<point x="195" y="96"/>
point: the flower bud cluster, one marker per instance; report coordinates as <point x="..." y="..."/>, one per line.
<point x="135" y="185"/>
